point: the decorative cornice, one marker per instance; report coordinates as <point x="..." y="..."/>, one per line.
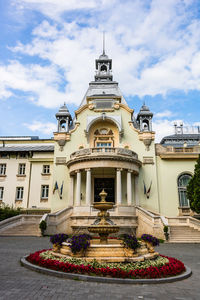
<point x="104" y="157"/>
<point x="130" y="110"/>
<point x="82" y="108"/>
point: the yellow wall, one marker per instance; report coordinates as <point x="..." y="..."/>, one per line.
<point x="168" y="173"/>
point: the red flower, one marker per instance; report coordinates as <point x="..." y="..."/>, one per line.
<point x="172" y="268"/>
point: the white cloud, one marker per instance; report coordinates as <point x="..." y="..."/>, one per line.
<point x="41" y="83"/>
<point x="55" y="9"/>
<point x="162" y="128"/>
<point x="45" y="128"/>
<point x="165" y="113"/>
<point x="155" y="48"/>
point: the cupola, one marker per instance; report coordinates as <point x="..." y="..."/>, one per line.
<point x="64" y="119"/>
<point x="144" y="118"/>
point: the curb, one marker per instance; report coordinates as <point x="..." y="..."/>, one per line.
<point x="73" y="276"/>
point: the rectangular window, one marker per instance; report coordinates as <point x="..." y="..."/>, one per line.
<point x="103" y="144"/>
<point x="4" y="155"/>
<point x="1" y="192"/>
<point x="46" y="169"/>
<point x="22" y="168"/>
<point x="2" y="169"/>
<point x="22" y="155"/>
<point x="19" y="193"/>
<point x="44" y="192"/>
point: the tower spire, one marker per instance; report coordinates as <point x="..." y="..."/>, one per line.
<point x="103" y="42"/>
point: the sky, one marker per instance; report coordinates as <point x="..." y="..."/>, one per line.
<point x="48" y="49"/>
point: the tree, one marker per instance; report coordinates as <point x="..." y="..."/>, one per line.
<point x="193" y="189"/>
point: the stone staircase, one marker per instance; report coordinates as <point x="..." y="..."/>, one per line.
<point x="184" y="234"/>
<point x="22" y="230"/>
<point x="21" y="226"/>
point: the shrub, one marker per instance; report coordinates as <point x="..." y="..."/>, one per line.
<point x="130" y="241"/>
<point x="150" y="239"/>
<point x="43" y="226"/>
<point x="58" y="238"/>
<point x="193" y="189"/>
<point x="8" y="212"/>
<point x="165" y="229"/>
<point x="80" y="243"/>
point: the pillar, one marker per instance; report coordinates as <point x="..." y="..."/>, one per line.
<point x="71" y="200"/>
<point x="136" y="179"/>
<point x="78" y="188"/>
<point x="119" y="187"/>
<point x="129" y="187"/>
<point x="88" y="187"/>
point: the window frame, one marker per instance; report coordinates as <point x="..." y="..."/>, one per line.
<point x="20" y="193"/>
<point x="182" y="191"/>
<point x="22" y="169"/>
<point x="46" y="169"/>
<point x="1" y="192"/>
<point x="3" y="169"/>
<point x="44" y="191"/>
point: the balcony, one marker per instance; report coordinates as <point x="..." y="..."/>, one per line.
<point x="104" y="151"/>
<point x="106" y="157"/>
<point x="170" y="152"/>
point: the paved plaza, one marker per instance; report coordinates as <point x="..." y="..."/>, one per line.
<point x="17" y="282"/>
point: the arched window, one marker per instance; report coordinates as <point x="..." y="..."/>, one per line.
<point x="182" y="185"/>
<point x="103" y="138"/>
<point x="103" y="68"/>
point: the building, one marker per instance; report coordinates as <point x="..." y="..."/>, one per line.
<point x="104" y="146"/>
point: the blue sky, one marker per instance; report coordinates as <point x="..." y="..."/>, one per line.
<point x="48" y="48"/>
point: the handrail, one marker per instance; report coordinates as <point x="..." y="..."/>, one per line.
<point x="56" y="214"/>
<point x="104" y="150"/>
<point x="13" y="220"/>
<point x="147" y="212"/>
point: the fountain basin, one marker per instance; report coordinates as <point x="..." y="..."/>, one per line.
<point x="103" y="205"/>
<point x="103" y="231"/>
<point x="112" y="252"/>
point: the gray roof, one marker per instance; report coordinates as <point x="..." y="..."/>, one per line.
<point x="35" y="148"/>
<point x="144" y="110"/>
<point x="103" y="89"/>
<point x="32" y="138"/>
<point x="178" y="139"/>
<point x="63" y="112"/>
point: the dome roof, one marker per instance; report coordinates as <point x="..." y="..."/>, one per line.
<point x="63" y="112"/>
<point x="103" y="56"/>
<point x="144" y="110"/>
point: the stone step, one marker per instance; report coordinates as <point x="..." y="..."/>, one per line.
<point x="184" y="234"/>
<point x="24" y="229"/>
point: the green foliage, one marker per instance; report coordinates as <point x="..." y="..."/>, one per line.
<point x="130" y="241"/>
<point x="157" y="262"/>
<point x="8" y="212"/>
<point x="43" y="226"/>
<point x="193" y="189"/>
<point x="165" y="229"/>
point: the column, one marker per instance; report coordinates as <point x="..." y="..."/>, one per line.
<point x="78" y="188"/>
<point x="129" y="187"/>
<point x="88" y="187"/>
<point x="137" y="202"/>
<point x="71" y="200"/>
<point x="119" y="187"/>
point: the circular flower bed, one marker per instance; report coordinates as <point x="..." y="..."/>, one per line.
<point x="161" y="267"/>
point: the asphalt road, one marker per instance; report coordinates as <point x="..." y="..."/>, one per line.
<point x="17" y="282"/>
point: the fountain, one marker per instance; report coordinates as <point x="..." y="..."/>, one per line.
<point x="105" y="249"/>
<point x="103" y="228"/>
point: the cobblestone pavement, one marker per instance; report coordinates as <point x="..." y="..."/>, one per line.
<point x="17" y="282"/>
